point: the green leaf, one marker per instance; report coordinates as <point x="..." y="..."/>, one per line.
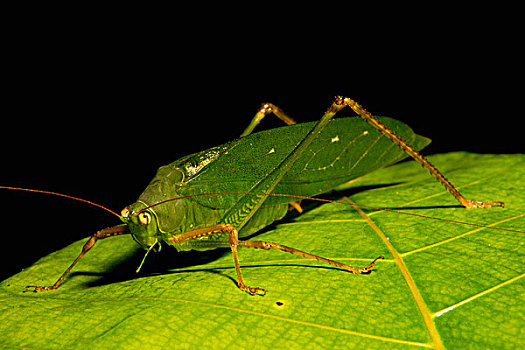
<point x="453" y="285"/>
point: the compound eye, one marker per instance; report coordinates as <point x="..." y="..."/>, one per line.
<point x="144" y="218"/>
<point x="125" y="213"/>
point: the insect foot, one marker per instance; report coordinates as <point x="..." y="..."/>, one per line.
<point x="479" y="204"/>
<point x="40" y="289"/>
<point x="251" y="290"/>
<point x="368" y="268"/>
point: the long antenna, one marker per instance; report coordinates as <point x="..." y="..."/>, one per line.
<point x="60" y="195"/>
<point x="260" y="194"/>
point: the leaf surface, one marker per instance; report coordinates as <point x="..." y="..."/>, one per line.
<point x="442" y="284"/>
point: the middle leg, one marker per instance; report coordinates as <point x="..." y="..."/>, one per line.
<point x="267" y="108"/>
<point x="269" y="245"/>
<point x="233" y="242"/>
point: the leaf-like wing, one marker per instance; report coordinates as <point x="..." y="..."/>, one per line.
<point x="347" y="148"/>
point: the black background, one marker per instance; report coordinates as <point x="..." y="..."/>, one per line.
<point x="94" y="113"/>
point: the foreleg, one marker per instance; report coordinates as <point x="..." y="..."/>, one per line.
<point x="105" y="233"/>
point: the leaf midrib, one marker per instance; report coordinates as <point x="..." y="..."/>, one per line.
<point x="420" y="302"/>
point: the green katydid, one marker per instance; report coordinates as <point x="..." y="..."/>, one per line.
<point x="298" y="160"/>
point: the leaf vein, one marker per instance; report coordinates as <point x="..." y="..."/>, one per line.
<point x="286" y="319"/>
<point x="427" y="317"/>
<point x="478" y="295"/>
<point x="461" y="235"/>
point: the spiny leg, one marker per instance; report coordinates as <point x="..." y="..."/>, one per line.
<point x="369" y="118"/>
<point x="267" y="108"/>
<point x="234" y="242"/>
<point x="105" y="233"/>
<point x="269" y="245"/>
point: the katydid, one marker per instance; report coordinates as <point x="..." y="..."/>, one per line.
<point x="252" y="173"/>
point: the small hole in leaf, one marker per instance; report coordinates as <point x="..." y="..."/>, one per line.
<point x="279" y="303"/>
